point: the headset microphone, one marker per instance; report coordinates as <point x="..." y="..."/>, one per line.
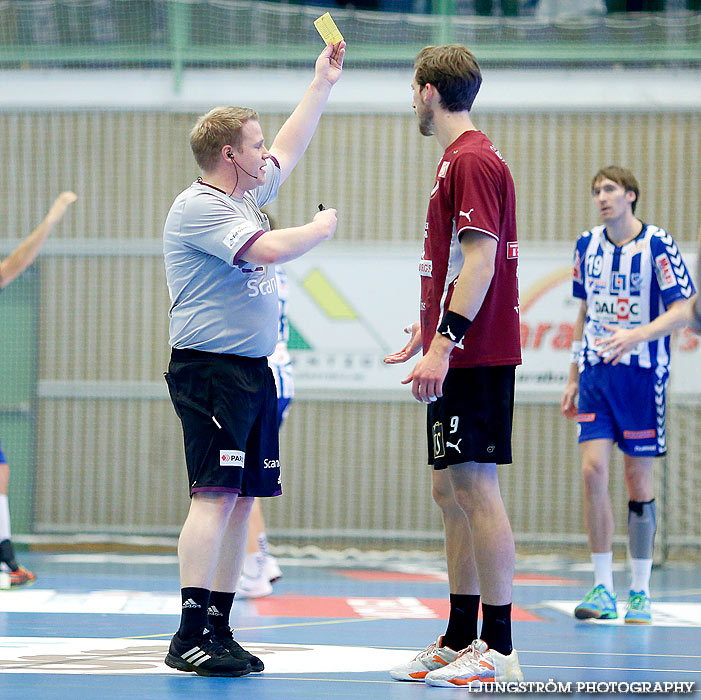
<point x="231" y="156"/>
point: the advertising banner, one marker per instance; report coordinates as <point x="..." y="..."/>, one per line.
<point x="348" y="307"/>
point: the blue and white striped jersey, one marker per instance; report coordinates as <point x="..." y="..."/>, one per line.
<point x="280" y="361"/>
<point x="628" y="286"/>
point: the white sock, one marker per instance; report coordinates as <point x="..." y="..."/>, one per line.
<point x="4" y="524"/>
<point x="263" y="544"/>
<point x="4" y="518"/>
<point x="640" y="570"/>
<point x="253" y="565"/>
<point x="603" y="570"/>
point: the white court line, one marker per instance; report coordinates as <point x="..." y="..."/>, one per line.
<point x="123" y="602"/>
<point x="124" y="656"/>
<point x="677" y="614"/>
<point x="615" y="668"/>
<point x="98" y="655"/>
<point x="613" y="653"/>
<point x="114" y="558"/>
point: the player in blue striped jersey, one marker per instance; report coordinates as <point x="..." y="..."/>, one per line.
<point x="634" y="290"/>
<point x="260" y="568"/>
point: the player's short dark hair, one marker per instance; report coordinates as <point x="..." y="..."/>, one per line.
<point x="623" y="177"/>
<point x="214" y="130"/>
<point x="453" y="71"/>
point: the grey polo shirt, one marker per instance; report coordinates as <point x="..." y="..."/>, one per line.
<point x="220" y="302"/>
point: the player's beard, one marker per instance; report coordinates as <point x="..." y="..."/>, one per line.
<point x="426" y="121"/>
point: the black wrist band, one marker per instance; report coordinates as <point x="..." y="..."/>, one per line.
<point x="454" y="326"/>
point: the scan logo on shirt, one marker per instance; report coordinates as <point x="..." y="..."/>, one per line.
<point x="231" y="458"/>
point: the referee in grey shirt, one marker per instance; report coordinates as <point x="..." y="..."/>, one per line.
<point x="219" y="256"/>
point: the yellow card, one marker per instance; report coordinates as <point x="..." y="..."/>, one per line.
<point x="328" y="29"/>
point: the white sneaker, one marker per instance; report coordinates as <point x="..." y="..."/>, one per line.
<point x="253" y="582"/>
<point x="432" y="657"/>
<point x="258" y="587"/>
<point x="476" y="666"/>
<point x="271" y="570"/>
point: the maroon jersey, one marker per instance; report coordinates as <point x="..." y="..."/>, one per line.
<point x="473" y="191"/>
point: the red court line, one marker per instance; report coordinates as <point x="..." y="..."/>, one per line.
<point x="366" y="575"/>
<point x="546" y="579"/>
<point x="391" y="576"/>
<point x="358" y="607"/>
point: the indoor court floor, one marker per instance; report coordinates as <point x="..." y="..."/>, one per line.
<point x="98" y="626"/>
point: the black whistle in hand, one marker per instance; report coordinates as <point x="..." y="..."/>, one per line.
<point x="321" y="207"/>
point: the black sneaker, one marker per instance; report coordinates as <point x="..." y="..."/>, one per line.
<point x="205" y="656"/>
<point x="225" y="637"/>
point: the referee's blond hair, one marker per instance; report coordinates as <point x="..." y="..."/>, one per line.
<point x="220" y="126"/>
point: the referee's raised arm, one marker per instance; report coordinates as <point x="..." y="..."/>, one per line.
<point x="295" y="134"/>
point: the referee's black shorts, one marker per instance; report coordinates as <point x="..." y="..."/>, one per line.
<point x="227" y="405"/>
<point x="472" y="421"/>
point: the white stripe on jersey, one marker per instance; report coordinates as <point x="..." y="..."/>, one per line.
<point x="455" y="263"/>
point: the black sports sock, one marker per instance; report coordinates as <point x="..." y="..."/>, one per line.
<point x="219" y="610"/>
<point x="496" y="627"/>
<point x="462" y="624"/>
<point x="7" y="555"/>
<point x="194" y="612"/>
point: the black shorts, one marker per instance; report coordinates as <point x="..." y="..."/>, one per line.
<point x="228" y="408"/>
<point x="472" y="421"/>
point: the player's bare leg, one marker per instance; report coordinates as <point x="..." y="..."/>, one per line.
<point x="642" y="524"/>
<point x="255" y="527"/>
<point x="260" y="569"/>
<point x="4" y="477"/>
<point x="638" y="477"/>
<point x="230" y="563"/>
<point x="477" y="492"/>
<point x="600" y="601"/>
<point x="18" y="575"/>
<point x="476" y="489"/>
<point x="202" y="535"/>
<point x="463" y="583"/>
<point x="462" y="573"/>
<point x="202" y="540"/>
<point x="598" y="514"/>
<point x="233" y="547"/>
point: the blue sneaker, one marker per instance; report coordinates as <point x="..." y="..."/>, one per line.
<point x="638" y="612"/>
<point x="598" y="604"/>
